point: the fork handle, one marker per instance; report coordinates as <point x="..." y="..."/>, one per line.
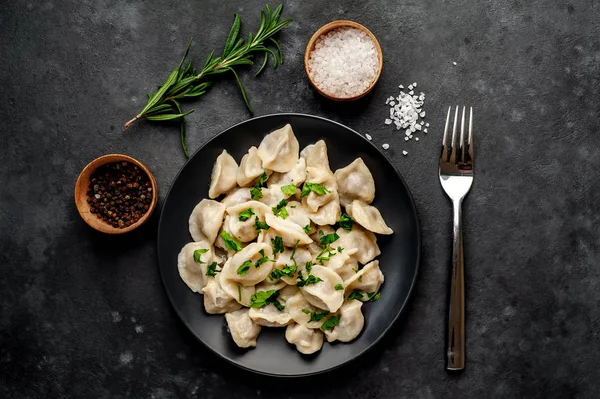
<point x="455" y="352"/>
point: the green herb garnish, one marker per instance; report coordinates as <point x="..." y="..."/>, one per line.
<point x="328" y="239"/>
<point x="355" y="270"/>
<point x="186" y="83"/>
<point x="212" y="270"/>
<point x="277" y="243"/>
<point x="308" y="267"/>
<point x="340" y="249"/>
<point x="355" y="295"/>
<point x="306" y="311"/>
<point x="288" y="190"/>
<point x="198" y="253"/>
<point x="330" y="323"/>
<point x="316" y="316"/>
<point x="315" y="188"/>
<point x="325" y="254"/>
<point x="280" y="210"/>
<point x="346" y="222"/>
<point x="244" y="267"/>
<point x="258" y="225"/>
<point x="245" y="215"/>
<point x="256" y="191"/>
<point x="339" y="287"/>
<point x="293" y="206"/>
<point x="307" y="228"/>
<point x="311" y="279"/>
<point x="263" y="298"/>
<point x="230" y="242"/>
<point x="239" y="292"/>
<point x="373" y="296"/>
<point x="360" y="279"/>
<point x="287" y="271"/>
<point x="262" y="259"/>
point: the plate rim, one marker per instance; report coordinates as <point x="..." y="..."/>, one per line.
<point x="385" y="331"/>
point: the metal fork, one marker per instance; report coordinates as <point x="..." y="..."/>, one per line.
<point x="456" y="177"/>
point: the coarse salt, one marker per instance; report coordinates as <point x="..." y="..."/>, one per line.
<point x="344" y="62"/>
<point x="405" y="112"/>
<point x="385" y="146"/>
<point x="368" y="136"/>
<point x="405" y="153"/>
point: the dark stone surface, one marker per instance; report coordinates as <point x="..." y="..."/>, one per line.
<point x="85" y="315"/>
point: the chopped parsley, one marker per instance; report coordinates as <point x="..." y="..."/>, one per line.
<point x="307" y="228"/>
<point x="308" y="281"/>
<point x="280" y="210"/>
<point x="308" y="267"/>
<point x="245" y="215"/>
<point x="315" y="188"/>
<point x="262" y="259"/>
<point x="315" y="316"/>
<point x="244" y="267"/>
<point x="306" y="311"/>
<point x="355" y="270"/>
<point x="330" y="323"/>
<point x="355" y="295"/>
<point x="325" y="254"/>
<point x="288" y="190"/>
<point x="339" y="287"/>
<point x="346" y="222"/>
<point x="373" y="296"/>
<point x="277" y="243"/>
<point x="230" y="242"/>
<point x="212" y="270"/>
<point x="287" y="271"/>
<point x="294" y="253"/>
<point x="360" y="279"/>
<point x="258" y="225"/>
<point x="293" y="206"/>
<point x="198" y="253"/>
<point x="328" y="239"/>
<point x="340" y="249"/>
<point x="256" y="191"/>
<point x="263" y="298"/>
<point x="239" y="292"/>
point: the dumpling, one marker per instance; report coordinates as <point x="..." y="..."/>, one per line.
<point x="272" y="196"/>
<point x="351" y="322"/>
<point x="289" y="231"/>
<point x="317" y="164"/>
<point x="368" y="217"/>
<point x="268" y="285"/>
<point x="313" y="201"/>
<point x="241" y="293"/>
<point x="323" y="293"/>
<point x="243" y="330"/>
<point x="206" y="220"/>
<point x="241" y="267"/>
<point x="236" y="196"/>
<point x="216" y="300"/>
<point x="194" y="273"/>
<point x="327" y="214"/>
<point x="296" y="176"/>
<point x="363" y="240"/>
<point x="344" y="263"/>
<point x="244" y="229"/>
<point x="224" y="175"/>
<point x="367" y="281"/>
<point x="250" y="168"/>
<point x="301" y="310"/>
<point x="307" y="340"/>
<point x="355" y="181"/>
<point x="297" y="214"/>
<point x="270" y="316"/>
<point x="286" y="293"/>
<point x="285" y="258"/>
<point x="279" y="150"/>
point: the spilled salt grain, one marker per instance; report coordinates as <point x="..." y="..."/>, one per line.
<point x="344" y="62"/>
<point x="368" y="136"/>
<point x="385" y="146"/>
<point x="405" y="153"/>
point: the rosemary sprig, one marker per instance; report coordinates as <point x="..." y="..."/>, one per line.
<point x="185" y="83"/>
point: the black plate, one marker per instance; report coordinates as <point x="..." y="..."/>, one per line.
<point x="399" y="257"/>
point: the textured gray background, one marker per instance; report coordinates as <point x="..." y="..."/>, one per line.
<point x="85" y="315"/>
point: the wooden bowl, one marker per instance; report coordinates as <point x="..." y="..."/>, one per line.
<point x="327" y="28"/>
<point x="83" y="184"/>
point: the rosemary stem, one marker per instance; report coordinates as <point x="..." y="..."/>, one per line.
<point x="130" y="122"/>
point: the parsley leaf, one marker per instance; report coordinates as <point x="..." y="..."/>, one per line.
<point x="244" y="268"/>
<point x="315" y="188"/>
<point x="328" y="239"/>
<point x="340" y="249"/>
<point x="212" y="270"/>
<point x="198" y="253"/>
<point x="278" y="305"/>
<point x="294" y="253"/>
<point x="277" y="243"/>
<point x="330" y="323"/>
<point x="262" y="179"/>
<point x="287" y="271"/>
<point x="308" y="281"/>
<point x="263" y="298"/>
<point x="339" y="287"/>
<point x="256" y="191"/>
<point x="308" y="266"/>
<point x="325" y="255"/>
<point x="239" y="292"/>
<point x="318" y="316"/>
<point x="280" y="210"/>
<point x="262" y="259"/>
<point x="373" y="296"/>
<point x="346" y="222"/>
<point x="288" y="190"/>
<point x="230" y="242"/>
<point x="355" y="295"/>
<point x="360" y="279"/>
<point x="293" y="206"/>
<point x="258" y="225"/>
<point x="307" y="228"/>
<point x="245" y="215"/>
<point x="355" y="270"/>
<point x="306" y="311"/>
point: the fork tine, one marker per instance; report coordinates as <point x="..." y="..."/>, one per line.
<point x="444" y="157"/>
<point x="462" y="136"/>
<point x="471" y="136"/>
<point x="453" y="148"/>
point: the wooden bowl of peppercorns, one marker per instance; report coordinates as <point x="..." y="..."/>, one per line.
<point x="115" y="194"/>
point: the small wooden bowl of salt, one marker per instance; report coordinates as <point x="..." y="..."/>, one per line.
<point x="343" y="60"/>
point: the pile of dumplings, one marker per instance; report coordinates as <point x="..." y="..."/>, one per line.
<point x="268" y="254"/>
